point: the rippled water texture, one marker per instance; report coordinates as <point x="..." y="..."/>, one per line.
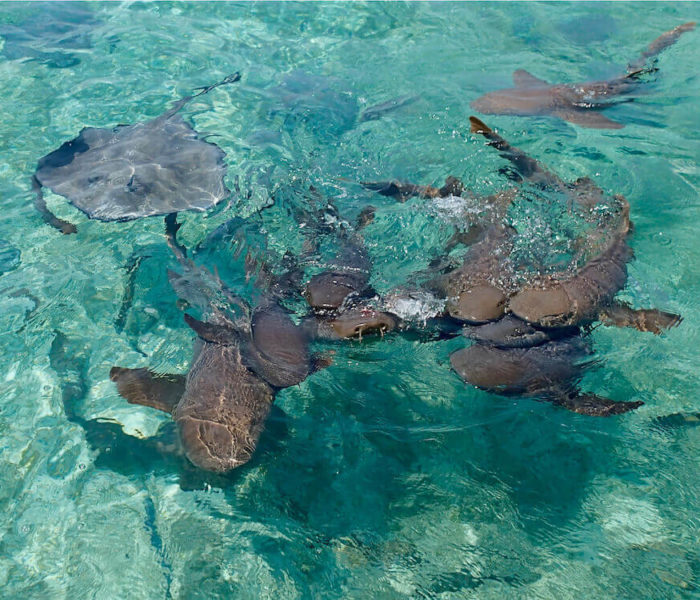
<point x="384" y="475"/>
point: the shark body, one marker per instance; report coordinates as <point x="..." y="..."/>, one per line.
<point x="578" y="103"/>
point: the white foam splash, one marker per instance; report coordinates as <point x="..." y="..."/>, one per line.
<point x="416" y="306"/>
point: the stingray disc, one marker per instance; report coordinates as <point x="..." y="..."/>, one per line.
<point x="152" y="168"/>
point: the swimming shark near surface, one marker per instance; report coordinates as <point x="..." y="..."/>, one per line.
<point x="577" y="103"/>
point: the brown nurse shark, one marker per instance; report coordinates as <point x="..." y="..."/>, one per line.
<point x="588" y="294"/>
<point x="577" y="103"/>
<point x="222" y="403"/>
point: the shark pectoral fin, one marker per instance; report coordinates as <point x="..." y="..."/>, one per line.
<point x="254" y="360"/>
<point x="209" y="332"/>
<point x="587" y="118"/>
<point x="643" y="319"/>
<point x="274" y="371"/>
<point x="321" y="361"/>
<point x="141" y="386"/>
<point x="592" y="405"/>
<point x="522" y="78"/>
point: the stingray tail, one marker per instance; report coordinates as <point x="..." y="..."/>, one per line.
<point x="171" y="229"/>
<point x="643" y="64"/>
<point x="233" y="78"/>
<point x="50" y="218"/>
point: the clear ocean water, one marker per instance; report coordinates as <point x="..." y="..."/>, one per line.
<point x="384" y="475"/>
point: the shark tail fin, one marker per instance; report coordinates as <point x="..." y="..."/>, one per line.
<point x="524" y="165"/>
<point x="593" y="405"/>
<point x="478" y="126"/>
<point x="656" y="47"/>
<point x="649" y="319"/>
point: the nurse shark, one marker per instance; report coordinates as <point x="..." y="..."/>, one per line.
<point x="577" y="103"/>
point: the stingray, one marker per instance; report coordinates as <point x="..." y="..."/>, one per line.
<point x="156" y="167"/>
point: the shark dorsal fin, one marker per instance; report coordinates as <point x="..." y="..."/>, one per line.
<point x="521" y="78"/>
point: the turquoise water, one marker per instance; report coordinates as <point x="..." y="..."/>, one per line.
<point x="383" y="476"/>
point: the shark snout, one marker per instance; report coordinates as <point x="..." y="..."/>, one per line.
<point x="212" y="446"/>
<point x="356" y="323"/>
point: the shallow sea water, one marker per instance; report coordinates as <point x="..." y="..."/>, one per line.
<point x="384" y="475"/>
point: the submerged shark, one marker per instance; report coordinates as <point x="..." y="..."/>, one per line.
<point x="577" y="103"/>
<point x="220" y="406"/>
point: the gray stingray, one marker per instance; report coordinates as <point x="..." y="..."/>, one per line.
<point x="152" y="168"/>
<point x="577" y="103"/>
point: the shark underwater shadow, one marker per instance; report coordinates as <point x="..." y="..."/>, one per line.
<point x="132" y="456"/>
<point x="324" y="105"/>
<point x="155" y="167"/>
<point x="528" y="336"/>
<point x="578" y="103"/>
